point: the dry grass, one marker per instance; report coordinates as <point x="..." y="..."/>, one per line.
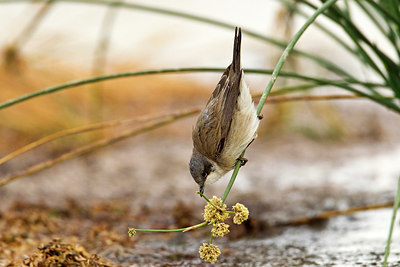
<point x="37" y="235"/>
<point x="122" y="98"/>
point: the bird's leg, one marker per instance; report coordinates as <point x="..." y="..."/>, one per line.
<point x="242" y="160"/>
<point x="251" y="142"/>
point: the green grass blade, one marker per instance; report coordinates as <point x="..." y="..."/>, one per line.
<point x="338" y="16"/>
<point x="395" y="208"/>
<point x="341" y="84"/>
<point x="370" y="7"/>
<point x="295" y="88"/>
<point x="364" y="8"/>
<point x="328" y="32"/>
<point x="389" y="9"/>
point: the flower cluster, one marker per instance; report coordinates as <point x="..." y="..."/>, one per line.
<point x="215" y="214"/>
<point x="220" y="229"/>
<point x="214" y="211"/>
<point x="131" y="232"/>
<point x="209" y="252"/>
<point x="241" y="213"/>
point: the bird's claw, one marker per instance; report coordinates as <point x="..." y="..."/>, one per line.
<point x="242" y="160"/>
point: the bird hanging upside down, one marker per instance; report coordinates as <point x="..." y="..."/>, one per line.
<point x="226" y="126"/>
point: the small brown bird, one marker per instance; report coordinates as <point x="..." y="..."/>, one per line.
<point x="226" y="126"/>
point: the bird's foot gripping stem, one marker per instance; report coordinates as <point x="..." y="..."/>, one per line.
<point x="242" y="160"/>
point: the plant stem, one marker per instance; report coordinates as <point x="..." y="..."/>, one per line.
<point x="287" y="50"/>
<point x="333" y="213"/>
<point x="28" y="31"/>
<point x="99" y="65"/>
<point x="116" y="123"/>
<point x="95" y="145"/>
<point x="173" y="230"/>
<point x="53" y="89"/>
<point x="212" y="204"/>
<point x="93" y="80"/>
<point x="87" y="128"/>
<point x="395" y="208"/>
<point x="233" y="178"/>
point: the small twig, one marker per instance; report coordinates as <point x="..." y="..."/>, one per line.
<point x="100" y="61"/>
<point x="195" y="226"/>
<point x="27" y="32"/>
<point x="83" y="129"/>
<point x="115" y="123"/>
<point x="333" y="213"/>
<point x="186" y="229"/>
<point x="97" y="144"/>
<point x="279" y="99"/>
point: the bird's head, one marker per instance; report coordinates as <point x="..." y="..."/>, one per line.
<point x="202" y="170"/>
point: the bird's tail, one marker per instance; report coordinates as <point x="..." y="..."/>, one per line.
<point x="236" y="50"/>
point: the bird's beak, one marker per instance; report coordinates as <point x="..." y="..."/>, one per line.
<point x="201" y="189"/>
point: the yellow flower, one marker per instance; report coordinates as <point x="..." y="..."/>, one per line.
<point x="209" y="252"/>
<point x="131" y="232"/>
<point x="241" y="213"/>
<point x="220" y="229"/>
<point x="214" y="215"/>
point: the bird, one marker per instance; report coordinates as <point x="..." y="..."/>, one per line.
<point x="226" y="126"/>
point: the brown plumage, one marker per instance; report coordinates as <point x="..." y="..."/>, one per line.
<point x="225" y="126"/>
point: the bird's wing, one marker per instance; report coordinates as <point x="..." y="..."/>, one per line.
<point x="213" y="125"/>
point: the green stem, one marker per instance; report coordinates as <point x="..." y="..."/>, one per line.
<point x="212" y="204"/>
<point x="54" y="89"/>
<point x="97" y="79"/>
<point x="287" y="50"/>
<point x="173" y="230"/>
<point x="233" y="178"/>
<point x="294" y="88"/>
<point x="395" y="208"/>
<point x="274" y="76"/>
<point x="294" y="6"/>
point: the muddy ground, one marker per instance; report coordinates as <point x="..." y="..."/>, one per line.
<point x="79" y="211"/>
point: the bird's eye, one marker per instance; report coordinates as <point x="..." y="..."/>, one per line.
<point x="204" y="174"/>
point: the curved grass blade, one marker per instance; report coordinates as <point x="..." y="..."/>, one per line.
<point x="395" y="208"/>
<point x="53" y="89"/>
<point x="321" y="61"/>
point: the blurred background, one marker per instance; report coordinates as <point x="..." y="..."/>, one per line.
<point x="310" y="156"/>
